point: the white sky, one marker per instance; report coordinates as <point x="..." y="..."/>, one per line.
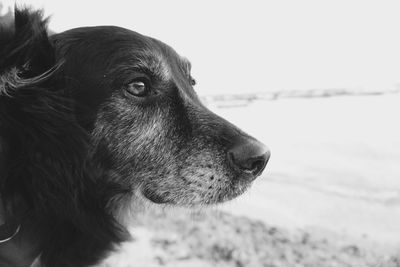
<point x="251" y="46"/>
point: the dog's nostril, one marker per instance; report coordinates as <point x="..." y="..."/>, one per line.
<point x="250" y="157"/>
<point x="258" y="164"/>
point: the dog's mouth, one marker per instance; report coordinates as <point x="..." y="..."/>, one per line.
<point x="231" y="193"/>
<point x="195" y="197"/>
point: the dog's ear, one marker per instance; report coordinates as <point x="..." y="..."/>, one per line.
<point x="24" y="43"/>
<point x="39" y="136"/>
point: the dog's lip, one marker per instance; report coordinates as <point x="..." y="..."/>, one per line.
<point x="234" y="192"/>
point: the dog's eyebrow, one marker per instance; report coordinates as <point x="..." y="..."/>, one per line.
<point x="154" y="62"/>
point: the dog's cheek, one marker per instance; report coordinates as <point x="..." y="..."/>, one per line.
<point x="135" y="138"/>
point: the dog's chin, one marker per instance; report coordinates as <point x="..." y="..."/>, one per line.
<point x="219" y="197"/>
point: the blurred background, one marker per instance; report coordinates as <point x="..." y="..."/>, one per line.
<point x="319" y="83"/>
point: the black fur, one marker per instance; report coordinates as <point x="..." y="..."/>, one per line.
<point x="46" y="152"/>
<point x="79" y="149"/>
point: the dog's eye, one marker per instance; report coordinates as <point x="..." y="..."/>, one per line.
<point x="137" y="88"/>
<point x="192" y="81"/>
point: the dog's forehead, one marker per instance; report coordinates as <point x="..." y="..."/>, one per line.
<point x="150" y="54"/>
<point x="160" y="59"/>
<point x="121" y="47"/>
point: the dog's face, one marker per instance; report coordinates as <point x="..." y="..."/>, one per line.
<point x="148" y="127"/>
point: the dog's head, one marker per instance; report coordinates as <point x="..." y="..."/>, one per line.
<point x="134" y="96"/>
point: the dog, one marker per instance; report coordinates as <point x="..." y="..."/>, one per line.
<point x="93" y="121"/>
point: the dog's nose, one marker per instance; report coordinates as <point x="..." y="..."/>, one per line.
<point x="250" y="157"/>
